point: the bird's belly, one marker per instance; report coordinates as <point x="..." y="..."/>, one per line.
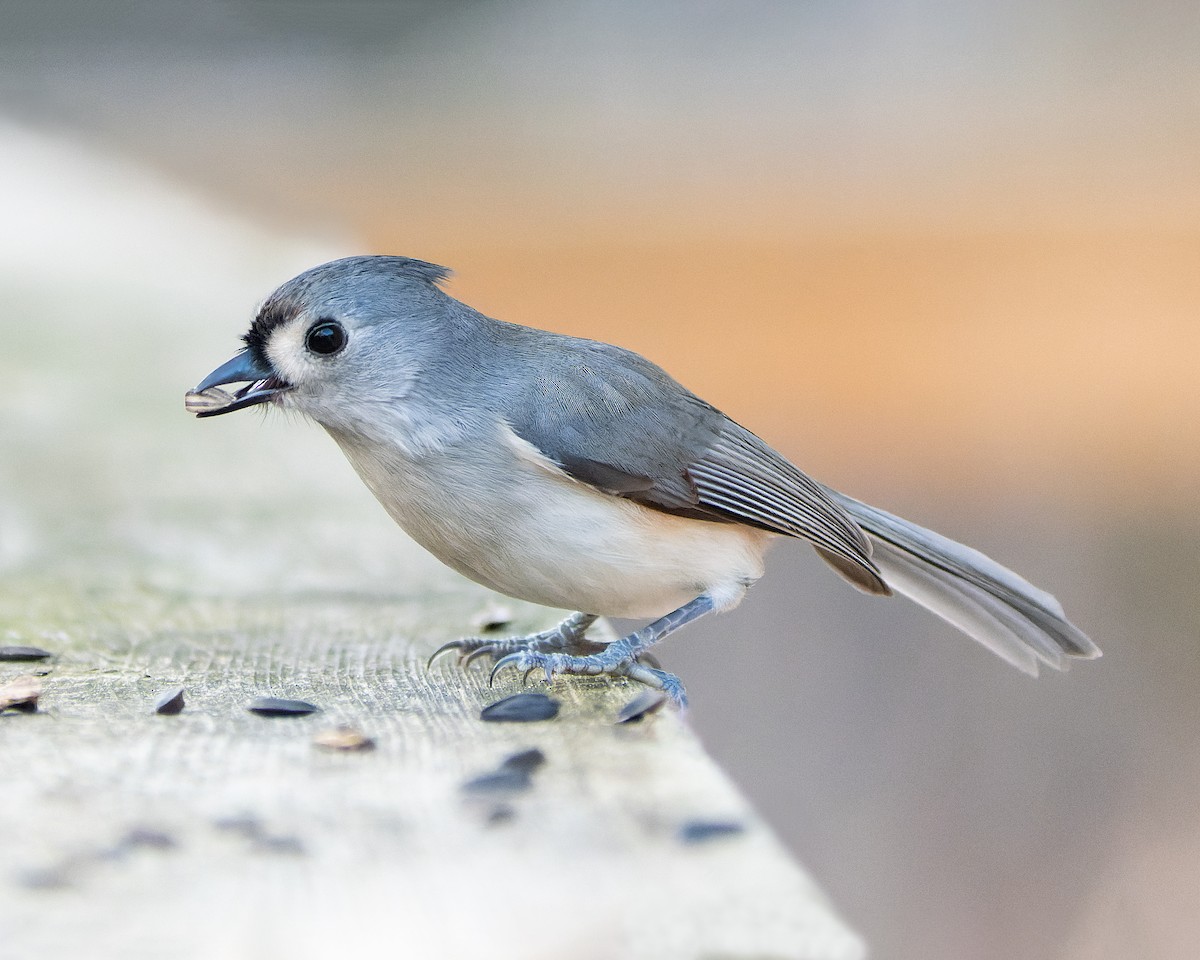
<point x="600" y="554"/>
<point x="548" y="539"/>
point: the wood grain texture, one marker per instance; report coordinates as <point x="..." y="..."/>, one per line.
<point x="218" y="833"/>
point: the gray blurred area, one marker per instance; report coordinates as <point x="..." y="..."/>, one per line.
<point x="861" y="113"/>
<point x="951" y="807"/>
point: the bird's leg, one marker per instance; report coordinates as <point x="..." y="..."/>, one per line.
<point x="619" y="658"/>
<point x="567" y="637"/>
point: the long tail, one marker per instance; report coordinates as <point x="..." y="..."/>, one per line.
<point x="1007" y="614"/>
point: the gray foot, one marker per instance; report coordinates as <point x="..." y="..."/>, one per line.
<point x="565" y="650"/>
<point x="567" y="637"/>
<point x="618" y="659"/>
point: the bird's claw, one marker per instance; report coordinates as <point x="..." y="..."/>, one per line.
<point x="483" y="651"/>
<point x="469" y="650"/>
<point x="445" y="648"/>
<point x="512" y="660"/>
<point x="554" y="664"/>
<point x="527" y="661"/>
<point x="570" y="635"/>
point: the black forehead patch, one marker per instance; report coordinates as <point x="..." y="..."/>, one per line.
<point x="274" y="313"/>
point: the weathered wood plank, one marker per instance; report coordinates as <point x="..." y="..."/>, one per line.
<point x="221" y="833"/>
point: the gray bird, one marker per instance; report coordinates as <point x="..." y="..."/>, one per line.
<point x="579" y="475"/>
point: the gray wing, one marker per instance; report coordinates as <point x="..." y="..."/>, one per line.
<point x="1003" y="611"/>
<point x="615" y="421"/>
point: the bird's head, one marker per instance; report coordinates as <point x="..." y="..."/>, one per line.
<point x="334" y="341"/>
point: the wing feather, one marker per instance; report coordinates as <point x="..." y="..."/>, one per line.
<point x="625" y="427"/>
<point x="1002" y="610"/>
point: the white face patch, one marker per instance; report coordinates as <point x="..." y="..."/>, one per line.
<point x="287" y="353"/>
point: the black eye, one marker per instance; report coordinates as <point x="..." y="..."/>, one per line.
<point x="326" y="337"/>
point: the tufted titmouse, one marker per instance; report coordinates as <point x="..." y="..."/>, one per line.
<point x="577" y="474"/>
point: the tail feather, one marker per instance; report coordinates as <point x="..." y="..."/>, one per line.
<point x="1010" y="616"/>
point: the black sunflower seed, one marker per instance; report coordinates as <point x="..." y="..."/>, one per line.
<point x="169" y="702"/>
<point x="24" y="653"/>
<point x="279" y="707"/>
<point x="521" y="708"/>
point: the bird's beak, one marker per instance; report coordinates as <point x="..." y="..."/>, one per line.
<point x="262" y="384"/>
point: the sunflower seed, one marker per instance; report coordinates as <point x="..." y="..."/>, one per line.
<point x="214" y="398"/>
<point x="278" y="707"/>
<point x="21" y="694"/>
<point x="641" y="706"/>
<point x="24" y="653"/>
<point x="495" y="617"/>
<point x="521" y="708"/>
<point x="343" y="737"/>
<point x="526" y="760"/>
<point x="169" y="702"/>
<point x="499" y="781"/>
<point x="514" y="775"/>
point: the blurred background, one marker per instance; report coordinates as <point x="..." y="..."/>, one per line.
<point x="946" y="256"/>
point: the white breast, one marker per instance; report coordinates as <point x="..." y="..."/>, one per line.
<point x="512" y="520"/>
